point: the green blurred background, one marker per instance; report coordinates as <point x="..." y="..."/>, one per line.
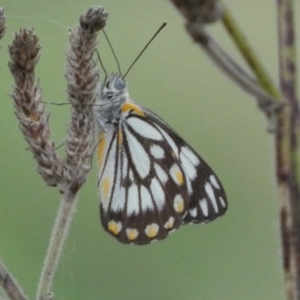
<point x="236" y="257"/>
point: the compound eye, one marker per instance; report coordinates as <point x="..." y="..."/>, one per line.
<point x="119" y="84"/>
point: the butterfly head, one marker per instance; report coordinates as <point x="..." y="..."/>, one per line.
<point x="112" y="96"/>
<point x="114" y="87"/>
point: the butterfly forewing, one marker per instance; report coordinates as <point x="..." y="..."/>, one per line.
<point x="150" y="181"/>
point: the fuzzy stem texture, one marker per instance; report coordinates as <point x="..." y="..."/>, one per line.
<point x="9" y="285"/>
<point x="58" y="236"/>
<point x="29" y="109"/>
<point x="83" y="84"/>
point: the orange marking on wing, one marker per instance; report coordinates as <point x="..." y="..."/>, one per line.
<point x="132" y="233"/>
<point x="120" y="137"/>
<point x="179" y="177"/>
<point x="169" y="224"/>
<point x="101" y="149"/>
<point x="114" y="227"/>
<point x="152" y="230"/>
<point x="179" y="204"/>
<point x="130" y="106"/>
<point x="105" y="186"/>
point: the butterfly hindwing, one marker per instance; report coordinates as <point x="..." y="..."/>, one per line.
<point x="207" y="198"/>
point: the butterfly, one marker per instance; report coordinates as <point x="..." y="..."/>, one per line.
<point x="150" y="180"/>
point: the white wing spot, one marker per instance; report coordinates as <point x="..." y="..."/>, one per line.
<point x="157" y="193"/>
<point x="152" y="230"/>
<point x="106" y="176"/>
<point x="188" y="167"/>
<point x="204" y="206"/>
<point x="223" y="203"/>
<point x="157" y="151"/>
<point x="178" y="203"/>
<point x="191" y="156"/>
<point x="144" y="129"/>
<point x="132" y="233"/>
<point x="118" y="201"/>
<point x="146" y="200"/>
<point x="169" y="224"/>
<point x="193" y="212"/>
<point x="214" y="181"/>
<point x="161" y="174"/>
<point x="210" y="192"/>
<point x="170" y="141"/>
<point x="176" y="174"/>
<point x="132" y="200"/>
<point x="138" y="154"/>
<point x="114" y="227"/>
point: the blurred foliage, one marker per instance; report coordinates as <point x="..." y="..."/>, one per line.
<point x="236" y="257"/>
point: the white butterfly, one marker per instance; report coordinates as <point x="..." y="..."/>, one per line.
<point x="150" y="181"/>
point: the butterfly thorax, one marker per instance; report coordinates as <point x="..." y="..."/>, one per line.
<point x="112" y="96"/>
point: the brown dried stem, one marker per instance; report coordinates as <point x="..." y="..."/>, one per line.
<point x="230" y="67"/>
<point x="27" y="95"/>
<point x="249" y="55"/>
<point x="9" y="285"/>
<point x="288" y="152"/>
<point x="2" y="23"/>
<point x="288" y="120"/>
<point x="83" y="81"/>
<point x="197" y="14"/>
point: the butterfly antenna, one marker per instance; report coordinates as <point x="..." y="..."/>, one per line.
<point x="157" y="32"/>
<point x="102" y="66"/>
<point x="113" y="51"/>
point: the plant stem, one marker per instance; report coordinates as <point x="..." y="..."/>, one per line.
<point x="288" y="157"/>
<point x="248" y="54"/>
<point x="230" y="67"/>
<point x="59" y="233"/>
<point x="9" y="285"/>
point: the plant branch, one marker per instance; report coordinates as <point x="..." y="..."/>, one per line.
<point x="200" y="12"/>
<point x="29" y="109"/>
<point x="83" y="84"/>
<point x="58" y="236"/>
<point x="9" y="285"/>
<point x="248" y="54"/>
<point x="230" y="67"/>
<point x="2" y="23"/>
<point x="288" y="156"/>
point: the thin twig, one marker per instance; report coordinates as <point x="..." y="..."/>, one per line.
<point x="248" y="54"/>
<point x="200" y="12"/>
<point x="230" y="67"/>
<point x="2" y="23"/>
<point x="58" y="236"/>
<point x="288" y="152"/>
<point x="9" y="285"/>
